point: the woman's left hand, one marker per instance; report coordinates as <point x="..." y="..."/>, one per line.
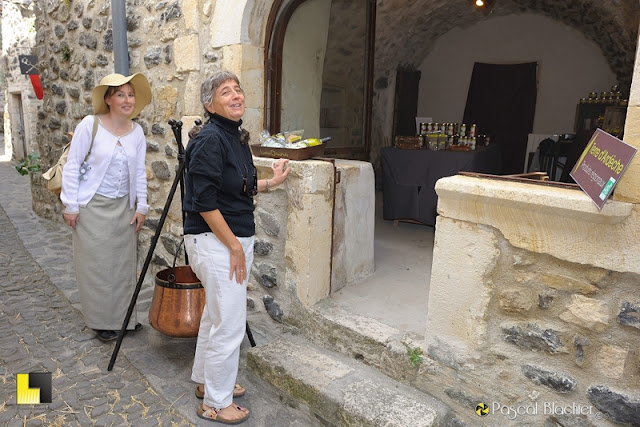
<point x="138" y="220"/>
<point x="280" y="171"/>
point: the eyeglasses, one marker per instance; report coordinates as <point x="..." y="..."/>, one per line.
<point x="254" y="189"/>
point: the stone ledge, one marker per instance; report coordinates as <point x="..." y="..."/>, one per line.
<point x="533" y="198"/>
<point x="560" y="222"/>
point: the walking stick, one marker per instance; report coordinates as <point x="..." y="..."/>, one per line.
<point x="176" y="127"/>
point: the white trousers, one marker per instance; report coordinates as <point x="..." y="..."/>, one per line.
<point x="224" y="318"/>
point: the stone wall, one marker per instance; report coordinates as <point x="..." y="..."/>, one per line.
<point x="18" y="22"/>
<point x="75" y="48"/>
<point x="293" y="239"/>
<point x="172" y="43"/>
<point x="534" y="302"/>
<point x="314" y="235"/>
<point x="176" y="43"/>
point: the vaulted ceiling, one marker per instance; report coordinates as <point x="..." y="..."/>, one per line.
<point x="406" y="30"/>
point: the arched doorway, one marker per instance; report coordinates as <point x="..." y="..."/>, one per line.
<point x="318" y="71"/>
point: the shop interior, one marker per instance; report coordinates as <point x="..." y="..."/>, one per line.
<point x="535" y="78"/>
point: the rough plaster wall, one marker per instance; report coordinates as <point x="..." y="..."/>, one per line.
<point x="569" y="67"/>
<point x="303" y="60"/>
<point x="324" y="49"/>
<point x="344" y="69"/>
<point x="406" y="32"/>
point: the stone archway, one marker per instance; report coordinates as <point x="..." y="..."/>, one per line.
<point x="613" y="28"/>
<point x="237" y="27"/>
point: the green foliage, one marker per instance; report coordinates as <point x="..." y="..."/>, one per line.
<point x="415" y="355"/>
<point x="30" y="164"/>
<point x="65" y="51"/>
<point x="66" y="3"/>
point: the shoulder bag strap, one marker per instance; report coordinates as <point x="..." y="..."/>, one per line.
<point x="93" y="136"/>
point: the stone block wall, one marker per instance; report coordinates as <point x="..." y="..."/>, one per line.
<point x="354" y="224"/>
<point x="176" y="44"/>
<point x="292" y="254"/>
<point x="304" y="249"/>
<point x="534" y="304"/>
<point x="19" y="102"/>
<point x="74" y="44"/>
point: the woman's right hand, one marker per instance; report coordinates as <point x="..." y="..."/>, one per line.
<point x="71" y="220"/>
<point x="280" y="171"/>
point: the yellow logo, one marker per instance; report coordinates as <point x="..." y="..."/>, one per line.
<point x="33" y="388"/>
<point x="482" y="409"/>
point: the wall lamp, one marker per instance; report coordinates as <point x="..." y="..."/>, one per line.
<point x="483" y="5"/>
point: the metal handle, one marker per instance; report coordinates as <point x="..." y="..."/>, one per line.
<point x="171" y="278"/>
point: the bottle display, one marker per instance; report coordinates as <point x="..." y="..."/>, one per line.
<point x="452" y="136"/>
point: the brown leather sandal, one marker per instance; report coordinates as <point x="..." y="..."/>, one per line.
<point x="213" y="414"/>
<point x="238" y="391"/>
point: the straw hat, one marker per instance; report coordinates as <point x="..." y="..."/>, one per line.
<point x="141" y="89"/>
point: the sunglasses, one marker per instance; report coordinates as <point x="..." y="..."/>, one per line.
<point x="254" y="189"/>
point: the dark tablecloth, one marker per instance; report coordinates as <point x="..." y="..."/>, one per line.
<point x="409" y="178"/>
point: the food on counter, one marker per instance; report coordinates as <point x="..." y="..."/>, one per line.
<point x="289" y="140"/>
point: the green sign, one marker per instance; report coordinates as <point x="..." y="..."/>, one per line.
<point x="601" y="165"/>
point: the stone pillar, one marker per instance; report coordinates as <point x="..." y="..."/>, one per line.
<point x="354" y="224"/>
<point x="562" y="223"/>
<point x="295" y="218"/>
<point x="628" y="189"/>
<point x="459" y="296"/>
<point x="247" y="62"/>
<point x="534" y="296"/>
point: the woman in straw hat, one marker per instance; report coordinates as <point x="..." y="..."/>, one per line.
<point x="105" y="201"/>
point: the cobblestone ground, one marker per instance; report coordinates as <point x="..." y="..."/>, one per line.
<point x="41" y="331"/>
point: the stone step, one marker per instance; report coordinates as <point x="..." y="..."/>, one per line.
<point x="367" y="340"/>
<point x="342" y="391"/>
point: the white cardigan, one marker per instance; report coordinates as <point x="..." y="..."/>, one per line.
<point x="76" y="193"/>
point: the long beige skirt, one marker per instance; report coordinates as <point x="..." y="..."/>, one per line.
<point x="104" y="254"/>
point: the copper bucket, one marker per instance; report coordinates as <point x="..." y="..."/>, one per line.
<point x="178" y="301"/>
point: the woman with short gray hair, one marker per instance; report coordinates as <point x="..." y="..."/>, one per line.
<point x="219" y="230"/>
